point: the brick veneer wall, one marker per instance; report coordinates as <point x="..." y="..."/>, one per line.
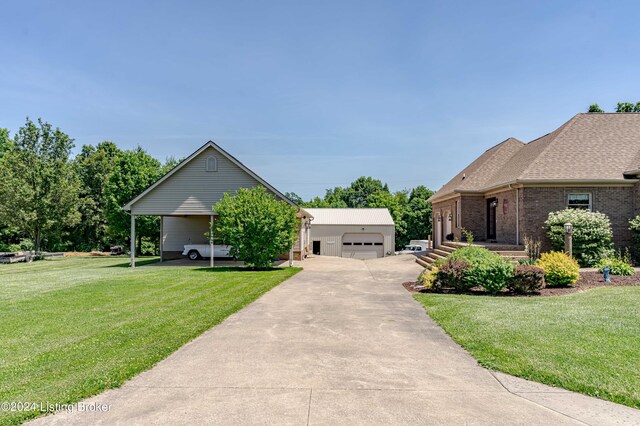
<point x="473" y="216"/>
<point x="616" y="202"/>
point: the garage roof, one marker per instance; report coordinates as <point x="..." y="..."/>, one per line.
<point x="350" y="216"/>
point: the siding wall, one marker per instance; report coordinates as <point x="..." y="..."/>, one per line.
<point x="330" y="236"/>
<point x="192" y="190"/>
<point x="178" y="231"/>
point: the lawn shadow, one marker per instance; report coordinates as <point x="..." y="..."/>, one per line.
<point x="127" y="264"/>
<point x="237" y="269"/>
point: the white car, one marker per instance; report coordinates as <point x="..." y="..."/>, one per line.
<point x="411" y="249"/>
<point x="198" y="251"/>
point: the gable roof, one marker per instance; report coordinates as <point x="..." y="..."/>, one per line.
<point x="350" y="216"/>
<point x="589" y="147"/>
<point x="209" y="144"/>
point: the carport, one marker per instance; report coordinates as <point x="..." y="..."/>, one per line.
<point x="184" y="197"/>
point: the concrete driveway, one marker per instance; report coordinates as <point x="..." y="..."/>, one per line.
<point x="340" y="343"/>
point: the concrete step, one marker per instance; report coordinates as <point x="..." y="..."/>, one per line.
<point x="510" y="253"/>
<point x="423" y="263"/>
<point x="434" y="256"/>
<point x="443" y="253"/>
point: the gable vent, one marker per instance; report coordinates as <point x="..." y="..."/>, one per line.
<point x="212" y="164"/>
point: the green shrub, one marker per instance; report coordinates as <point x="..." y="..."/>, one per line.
<point x="473" y="255"/>
<point x="618" y="263"/>
<point x="492" y="275"/>
<point x="451" y="275"/>
<point x="592" y="235"/>
<point x="559" y="269"/>
<point x="428" y="278"/>
<point x="526" y="279"/>
<point x="634" y="227"/>
<point x="484" y="268"/>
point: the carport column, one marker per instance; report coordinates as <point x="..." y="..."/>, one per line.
<point x="133" y="241"/>
<point x="291" y="257"/>
<point x="211" y="242"/>
<point x="161" y="236"/>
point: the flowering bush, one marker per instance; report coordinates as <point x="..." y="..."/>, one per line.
<point x="526" y="279"/>
<point x="592" y="236"/>
<point x="559" y="269"/>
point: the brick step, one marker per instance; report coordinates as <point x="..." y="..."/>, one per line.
<point x="442" y="253"/>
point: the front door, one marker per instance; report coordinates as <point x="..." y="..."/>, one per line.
<point x="492" y="204"/>
<point x="316" y="247"/>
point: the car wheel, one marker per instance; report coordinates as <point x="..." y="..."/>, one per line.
<point x="194" y="255"/>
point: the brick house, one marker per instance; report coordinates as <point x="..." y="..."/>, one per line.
<point x="592" y="162"/>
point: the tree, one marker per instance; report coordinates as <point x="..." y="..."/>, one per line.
<point x="38" y="186"/>
<point x="5" y="141"/>
<point x="94" y="167"/>
<point x="418" y="213"/>
<point x="294" y="197"/>
<point x="628" y="107"/>
<point x="256" y="225"/>
<point x="595" y="108"/>
<point x="134" y="171"/>
<point x="361" y="189"/>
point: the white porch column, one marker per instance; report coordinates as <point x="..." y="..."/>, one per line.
<point x="291" y="257"/>
<point x="133" y="241"/>
<point x="161" y="237"/>
<point x="211" y="246"/>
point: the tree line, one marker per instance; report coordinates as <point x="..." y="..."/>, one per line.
<point x="51" y="201"/>
<point x="410" y="210"/>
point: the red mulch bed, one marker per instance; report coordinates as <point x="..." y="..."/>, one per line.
<point x="587" y="281"/>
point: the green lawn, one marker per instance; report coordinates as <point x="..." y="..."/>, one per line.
<point x="73" y="327"/>
<point x="585" y="342"/>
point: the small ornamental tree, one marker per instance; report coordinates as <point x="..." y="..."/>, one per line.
<point x="256" y="226"/>
<point x="592" y="236"/>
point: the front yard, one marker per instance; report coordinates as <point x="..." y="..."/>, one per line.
<point x="74" y="327"/>
<point x="586" y="342"/>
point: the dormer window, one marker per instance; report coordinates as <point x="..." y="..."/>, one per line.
<point x="212" y="164"/>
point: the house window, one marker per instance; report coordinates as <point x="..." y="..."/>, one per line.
<point x="212" y="164"/>
<point x="579" y="201"/>
<point x="458" y="214"/>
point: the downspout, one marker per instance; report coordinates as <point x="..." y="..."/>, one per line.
<point x="518" y="216"/>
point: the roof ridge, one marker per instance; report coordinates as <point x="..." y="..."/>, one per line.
<point x="560" y="131"/>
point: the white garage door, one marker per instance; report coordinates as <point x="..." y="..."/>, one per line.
<point x="362" y="246"/>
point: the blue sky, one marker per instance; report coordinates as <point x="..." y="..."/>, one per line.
<point x="311" y="95"/>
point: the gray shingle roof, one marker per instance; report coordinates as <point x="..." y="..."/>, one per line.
<point x="590" y="146"/>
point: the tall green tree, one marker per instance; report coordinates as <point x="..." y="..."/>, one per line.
<point x="418" y="213"/>
<point x="134" y="171"/>
<point x="256" y="225"/>
<point x="38" y="185"/>
<point x="628" y="107"/>
<point x="5" y="141"/>
<point x="94" y="167"/>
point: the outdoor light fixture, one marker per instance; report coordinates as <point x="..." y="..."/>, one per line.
<point x="568" y="238"/>
<point x="450" y="216"/>
<point x="568" y="228"/>
<point x="439" y="219"/>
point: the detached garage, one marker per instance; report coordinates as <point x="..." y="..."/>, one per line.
<point x="355" y="233"/>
